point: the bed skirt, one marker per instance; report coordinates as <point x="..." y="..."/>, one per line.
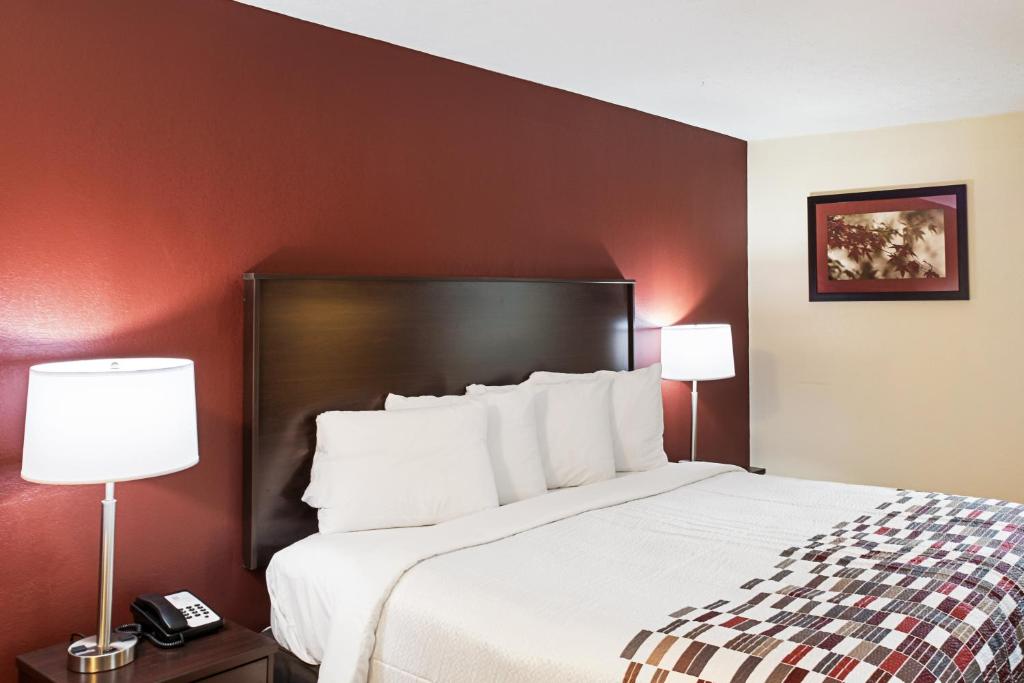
<point x="290" y="669"/>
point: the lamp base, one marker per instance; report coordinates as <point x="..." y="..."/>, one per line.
<point x="84" y="656"/>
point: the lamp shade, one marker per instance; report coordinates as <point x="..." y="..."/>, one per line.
<point x="697" y="352"/>
<point x="97" y="421"/>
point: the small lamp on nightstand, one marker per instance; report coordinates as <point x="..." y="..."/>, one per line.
<point x="100" y="422"/>
<point x="696" y="353"/>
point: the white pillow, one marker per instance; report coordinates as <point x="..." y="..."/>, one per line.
<point x="375" y="469"/>
<point x="638" y="419"/>
<point x="511" y="438"/>
<point x="574" y="425"/>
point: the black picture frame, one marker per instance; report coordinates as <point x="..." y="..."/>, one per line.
<point x="815" y="251"/>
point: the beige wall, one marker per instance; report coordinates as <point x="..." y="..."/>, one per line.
<point x="916" y="394"/>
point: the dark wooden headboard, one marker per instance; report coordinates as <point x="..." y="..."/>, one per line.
<point x="314" y="344"/>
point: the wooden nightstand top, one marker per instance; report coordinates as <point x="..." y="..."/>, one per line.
<point x="229" y="648"/>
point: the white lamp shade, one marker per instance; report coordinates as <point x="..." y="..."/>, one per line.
<point x="697" y="352"/>
<point x="97" y="421"/>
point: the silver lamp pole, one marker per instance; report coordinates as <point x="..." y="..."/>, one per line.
<point x="106" y="567"/>
<point x="106" y="650"/>
<point x="693" y="422"/>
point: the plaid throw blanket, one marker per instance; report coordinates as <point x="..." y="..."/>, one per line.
<point x="927" y="588"/>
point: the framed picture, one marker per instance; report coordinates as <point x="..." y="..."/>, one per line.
<point x="888" y="245"/>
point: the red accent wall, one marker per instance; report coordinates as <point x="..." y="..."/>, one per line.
<point x="150" y="153"/>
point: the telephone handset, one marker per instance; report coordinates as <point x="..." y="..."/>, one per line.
<point x="170" y="620"/>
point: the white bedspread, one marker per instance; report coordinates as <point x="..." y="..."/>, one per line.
<point x="550" y="588"/>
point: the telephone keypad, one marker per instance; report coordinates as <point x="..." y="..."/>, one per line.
<point x="195" y="612"/>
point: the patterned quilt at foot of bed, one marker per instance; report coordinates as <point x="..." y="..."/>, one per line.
<point x="929" y="587"/>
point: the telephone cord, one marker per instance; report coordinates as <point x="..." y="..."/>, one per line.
<point x="137" y="630"/>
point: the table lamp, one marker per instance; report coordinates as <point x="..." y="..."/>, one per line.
<point x="101" y="422"/>
<point x="696" y="353"/>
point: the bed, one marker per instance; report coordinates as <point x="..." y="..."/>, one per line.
<point x="688" y="572"/>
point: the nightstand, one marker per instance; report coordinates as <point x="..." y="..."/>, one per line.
<point x="233" y="654"/>
<point x="756" y="470"/>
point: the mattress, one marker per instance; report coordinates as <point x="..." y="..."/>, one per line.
<point x="551" y="588"/>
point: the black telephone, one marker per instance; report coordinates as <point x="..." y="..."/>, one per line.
<point x="170" y="620"/>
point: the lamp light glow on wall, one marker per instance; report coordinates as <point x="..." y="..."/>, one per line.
<point x="696" y="353"/>
<point x="101" y="422"/>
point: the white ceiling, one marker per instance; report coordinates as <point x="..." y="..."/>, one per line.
<point x="749" y="68"/>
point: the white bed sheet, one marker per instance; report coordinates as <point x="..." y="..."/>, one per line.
<point x="550" y="588"/>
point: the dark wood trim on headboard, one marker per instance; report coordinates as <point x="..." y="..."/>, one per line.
<point x="316" y="343"/>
